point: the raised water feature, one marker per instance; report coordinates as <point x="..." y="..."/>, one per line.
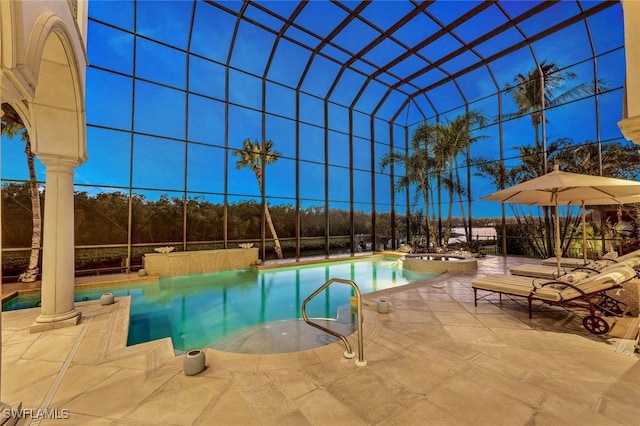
<point x="195" y="262"/>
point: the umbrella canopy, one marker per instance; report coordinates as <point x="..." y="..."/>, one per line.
<point x="632" y="199"/>
<point x="563" y="188"/>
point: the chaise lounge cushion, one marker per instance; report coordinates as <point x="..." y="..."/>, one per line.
<point x="551" y="272"/>
<point x="566" y="262"/>
<point x="519" y="286"/>
<point x="536" y="270"/>
<point x="550" y="290"/>
<point x="573" y="277"/>
<point x="597" y="283"/>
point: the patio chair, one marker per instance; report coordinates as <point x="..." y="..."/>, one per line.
<point x="571" y="262"/>
<point x="577" y="290"/>
<point x="535" y="270"/>
<point x="618" y="259"/>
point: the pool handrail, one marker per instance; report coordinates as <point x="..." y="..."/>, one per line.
<point x="349" y="352"/>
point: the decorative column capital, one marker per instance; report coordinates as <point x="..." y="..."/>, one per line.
<point x="630" y="128"/>
<point x="59" y="163"/>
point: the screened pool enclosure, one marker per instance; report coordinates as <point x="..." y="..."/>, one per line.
<point x="290" y="125"/>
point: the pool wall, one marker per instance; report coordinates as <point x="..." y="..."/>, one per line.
<point x="195" y="262"/>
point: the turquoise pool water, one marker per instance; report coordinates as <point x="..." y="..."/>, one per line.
<point x="196" y="310"/>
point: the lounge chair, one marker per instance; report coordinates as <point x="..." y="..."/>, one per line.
<point x="576" y="290"/>
<point x="570" y="262"/>
<point x="612" y="257"/>
<point x="535" y="270"/>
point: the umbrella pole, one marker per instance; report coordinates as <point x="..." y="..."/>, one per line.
<point x="558" y="249"/>
<point x="584" y="235"/>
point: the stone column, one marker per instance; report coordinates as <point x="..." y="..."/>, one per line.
<point x="630" y="123"/>
<point x="4" y="406"/>
<point x="58" y="257"/>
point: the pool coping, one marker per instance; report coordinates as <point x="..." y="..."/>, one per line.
<point x="81" y="283"/>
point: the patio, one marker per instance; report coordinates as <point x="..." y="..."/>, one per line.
<point x="435" y="358"/>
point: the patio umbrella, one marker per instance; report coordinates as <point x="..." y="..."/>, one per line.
<point x="563" y="188"/>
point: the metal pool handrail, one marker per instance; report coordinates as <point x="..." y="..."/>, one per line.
<point x="348" y="353"/>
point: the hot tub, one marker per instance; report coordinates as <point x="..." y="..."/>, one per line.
<point x="438" y="263"/>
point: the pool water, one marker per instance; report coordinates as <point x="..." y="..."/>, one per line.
<point x="196" y="310"/>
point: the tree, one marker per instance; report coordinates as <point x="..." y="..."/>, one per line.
<point x="418" y="163"/>
<point x="453" y="138"/>
<point x="620" y="161"/>
<point x="13" y="126"/>
<point x="434" y="151"/>
<point x="534" y="93"/>
<point x="256" y="156"/>
<point x="532" y="160"/>
<point x="527" y="92"/>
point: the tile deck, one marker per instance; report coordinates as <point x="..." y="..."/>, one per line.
<point x="434" y="359"/>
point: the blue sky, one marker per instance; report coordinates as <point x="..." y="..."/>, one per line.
<point x="172" y="138"/>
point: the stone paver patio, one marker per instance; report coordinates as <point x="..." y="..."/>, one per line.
<point x="434" y="359"/>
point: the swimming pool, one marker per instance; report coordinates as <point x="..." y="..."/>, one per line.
<point x="196" y="310"/>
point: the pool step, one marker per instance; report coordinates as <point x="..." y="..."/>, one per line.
<point x="282" y="337"/>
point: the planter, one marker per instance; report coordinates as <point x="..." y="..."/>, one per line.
<point x="107" y="299"/>
<point x="383" y="306"/>
<point x="194" y="362"/>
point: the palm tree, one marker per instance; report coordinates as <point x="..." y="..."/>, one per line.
<point x="618" y="160"/>
<point x="453" y="138"/>
<point x="12" y="126"/>
<point x="532" y="160"/>
<point x="417" y="163"/>
<point x="496" y="171"/>
<point x="434" y="151"/>
<point x="256" y="156"/>
<point x="533" y="93"/>
<point x="548" y="77"/>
